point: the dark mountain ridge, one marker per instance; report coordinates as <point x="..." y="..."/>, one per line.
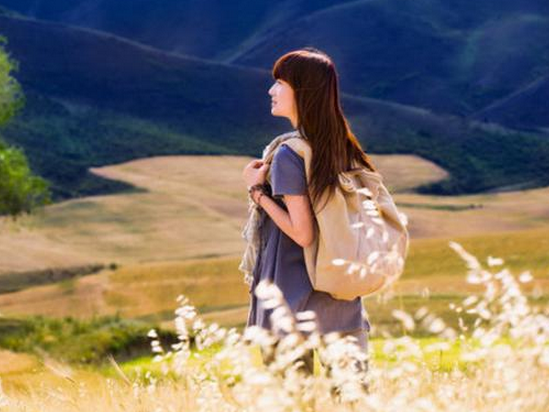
<point x="95" y="99"/>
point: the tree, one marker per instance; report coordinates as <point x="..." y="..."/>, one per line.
<point x="20" y="190"/>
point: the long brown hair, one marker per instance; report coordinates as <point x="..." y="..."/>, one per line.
<point x="313" y="77"/>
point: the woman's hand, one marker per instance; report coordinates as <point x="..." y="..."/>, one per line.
<point x="254" y="173"/>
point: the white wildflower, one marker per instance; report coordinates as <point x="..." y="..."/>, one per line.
<point x="405" y="318"/>
<point x="369" y="205"/>
<point x="372" y="257"/>
<point x="526" y="277"/>
<point x="437" y="325"/>
<point x="403" y="218"/>
<point x="492" y="261"/>
<point x="470" y="300"/>
<point x="378" y="221"/>
<point x="338" y="262"/>
<point x="305" y="315"/>
<point x="365" y="191"/>
<point x="421" y="313"/>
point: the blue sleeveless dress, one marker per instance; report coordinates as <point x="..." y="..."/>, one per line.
<point x="281" y="260"/>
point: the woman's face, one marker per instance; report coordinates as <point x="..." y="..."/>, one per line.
<point x="283" y="101"/>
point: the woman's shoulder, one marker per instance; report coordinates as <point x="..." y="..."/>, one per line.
<point x="286" y="150"/>
<point x="285" y="154"/>
<point x="300" y="147"/>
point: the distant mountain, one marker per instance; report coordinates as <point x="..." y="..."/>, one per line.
<point x="451" y="56"/>
<point x="209" y="29"/>
<point x="99" y="69"/>
<point x="525" y="108"/>
<point x="96" y="99"/>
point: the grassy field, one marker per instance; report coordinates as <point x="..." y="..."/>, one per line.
<point x="434" y="276"/>
<point x="159" y="242"/>
<point x="471" y="371"/>
<point x="188" y="210"/>
<point x="152" y="245"/>
<point x="186" y="201"/>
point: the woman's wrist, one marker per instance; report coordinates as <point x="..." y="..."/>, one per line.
<point x="257" y="186"/>
<point x="256" y="192"/>
<point x="256" y="197"/>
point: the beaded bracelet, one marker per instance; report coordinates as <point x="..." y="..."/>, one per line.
<point x="259" y="199"/>
<point x="253" y="188"/>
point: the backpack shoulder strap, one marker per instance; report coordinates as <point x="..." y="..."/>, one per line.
<point x="299" y="145"/>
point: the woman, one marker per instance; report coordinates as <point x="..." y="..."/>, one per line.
<point x="305" y="92"/>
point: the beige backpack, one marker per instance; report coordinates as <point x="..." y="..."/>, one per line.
<point x="361" y="240"/>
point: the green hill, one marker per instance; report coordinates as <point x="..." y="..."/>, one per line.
<point x="96" y="99"/>
<point x="171" y="25"/>
<point x="524" y="108"/>
<point x="449" y="56"/>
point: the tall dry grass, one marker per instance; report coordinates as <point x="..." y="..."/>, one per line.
<point x="502" y="363"/>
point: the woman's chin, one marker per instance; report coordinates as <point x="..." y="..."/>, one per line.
<point x="276" y="112"/>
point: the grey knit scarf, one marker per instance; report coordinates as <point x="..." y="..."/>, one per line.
<point x="251" y="229"/>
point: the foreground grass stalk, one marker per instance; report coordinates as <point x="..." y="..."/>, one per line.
<point x="499" y="362"/>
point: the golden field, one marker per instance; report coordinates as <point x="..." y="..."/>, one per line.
<point x="182" y="236"/>
<point x="189" y="210"/>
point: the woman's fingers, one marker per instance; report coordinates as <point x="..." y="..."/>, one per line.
<point x="252" y="167"/>
<point x="263" y="169"/>
<point x="254" y="164"/>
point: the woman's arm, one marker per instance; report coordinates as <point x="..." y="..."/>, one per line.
<point x="297" y="223"/>
<point x="288" y="180"/>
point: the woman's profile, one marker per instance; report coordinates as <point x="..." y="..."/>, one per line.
<point x="306" y="92"/>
